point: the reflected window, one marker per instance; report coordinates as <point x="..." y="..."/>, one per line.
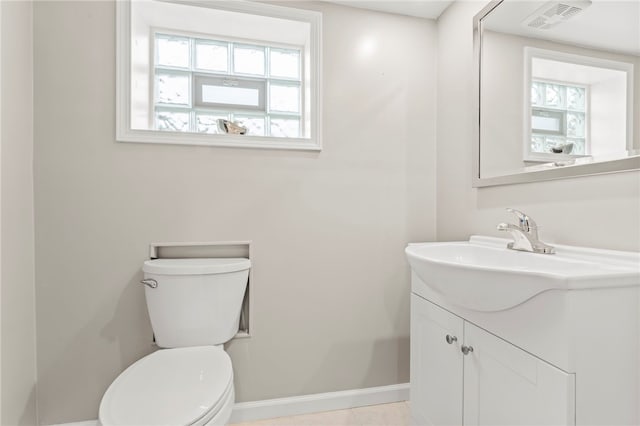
<point x="575" y="106"/>
<point x="559" y="118"/>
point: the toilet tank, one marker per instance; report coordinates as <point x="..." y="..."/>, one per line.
<point x="196" y="302"/>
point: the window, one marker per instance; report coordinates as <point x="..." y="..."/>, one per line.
<point x="575" y="106"/>
<point x="559" y="118"/>
<point x="177" y="77"/>
<point x="198" y="81"/>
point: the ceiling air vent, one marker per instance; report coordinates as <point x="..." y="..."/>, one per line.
<point x="554" y="13"/>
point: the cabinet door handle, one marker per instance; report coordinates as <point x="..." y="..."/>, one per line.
<point x="466" y="349"/>
<point x="450" y="339"/>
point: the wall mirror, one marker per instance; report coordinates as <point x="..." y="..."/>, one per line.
<point x="558" y="85"/>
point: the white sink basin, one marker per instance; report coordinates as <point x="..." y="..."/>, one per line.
<point x="483" y="275"/>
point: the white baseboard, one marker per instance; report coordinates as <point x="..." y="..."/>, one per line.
<point x="295" y="405"/>
<point x="306" y="404"/>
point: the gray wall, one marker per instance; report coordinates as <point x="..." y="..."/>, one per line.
<point x="331" y="283"/>
<point x="597" y="211"/>
<point x="18" y="368"/>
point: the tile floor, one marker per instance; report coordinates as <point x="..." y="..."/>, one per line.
<point x="395" y="414"/>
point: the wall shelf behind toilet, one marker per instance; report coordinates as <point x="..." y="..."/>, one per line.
<point x="216" y="249"/>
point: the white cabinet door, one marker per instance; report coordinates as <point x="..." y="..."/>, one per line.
<point x="436" y="365"/>
<point x="504" y="385"/>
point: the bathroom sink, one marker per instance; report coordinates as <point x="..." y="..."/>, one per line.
<point x="483" y="275"/>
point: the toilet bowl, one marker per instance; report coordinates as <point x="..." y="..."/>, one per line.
<point x="194" y="306"/>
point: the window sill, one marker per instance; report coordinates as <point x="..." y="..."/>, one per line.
<point x="229" y="141"/>
<point x="547" y="157"/>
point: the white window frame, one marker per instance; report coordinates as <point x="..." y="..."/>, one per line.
<point x="311" y="55"/>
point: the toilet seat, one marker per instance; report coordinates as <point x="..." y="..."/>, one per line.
<point x="178" y="387"/>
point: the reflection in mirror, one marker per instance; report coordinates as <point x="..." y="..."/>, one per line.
<point x="560" y="86"/>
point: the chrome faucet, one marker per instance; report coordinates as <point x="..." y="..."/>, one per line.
<point x="525" y="234"/>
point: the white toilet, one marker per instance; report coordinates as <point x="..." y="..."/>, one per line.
<point x="194" y="306"/>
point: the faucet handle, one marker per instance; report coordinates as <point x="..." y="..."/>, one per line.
<point x="525" y="222"/>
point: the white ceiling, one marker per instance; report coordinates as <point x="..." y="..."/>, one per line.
<point x="611" y="25"/>
<point x="429" y="9"/>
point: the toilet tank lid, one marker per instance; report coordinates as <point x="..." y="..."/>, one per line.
<point x="195" y="266"/>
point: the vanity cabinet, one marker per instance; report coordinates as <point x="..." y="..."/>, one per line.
<point x="463" y="375"/>
<point x="436" y="365"/>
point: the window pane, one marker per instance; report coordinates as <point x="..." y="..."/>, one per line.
<point x="285" y="63"/>
<point x="579" y="146"/>
<point x="544" y="121"/>
<point x="173" y="51"/>
<point x="172" y="121"/>
<point x="537" y="94"/>
<point x="172" y="89"/>
<point x="284" y="98"/>
<point x="285" y="127"/>
<point x="554" y="95"/>
<point x="575" y="124"/>
<point x="575" y="98"/>
<point x="211" y="56"/>
<point x="208" y="123"/>
<point x="248" y="60"/>
<point x="230" y="95"/>
<point x="537" y="143"/>
<point x="254" y="125"/>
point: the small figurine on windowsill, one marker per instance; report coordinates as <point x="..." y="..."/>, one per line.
<point x="562" y="149"/>
<point x="230" y="127"/>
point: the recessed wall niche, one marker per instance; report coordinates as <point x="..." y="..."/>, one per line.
<point x="217" y="249"/>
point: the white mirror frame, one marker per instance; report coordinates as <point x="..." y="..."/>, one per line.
<point x="602" y="167"/>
